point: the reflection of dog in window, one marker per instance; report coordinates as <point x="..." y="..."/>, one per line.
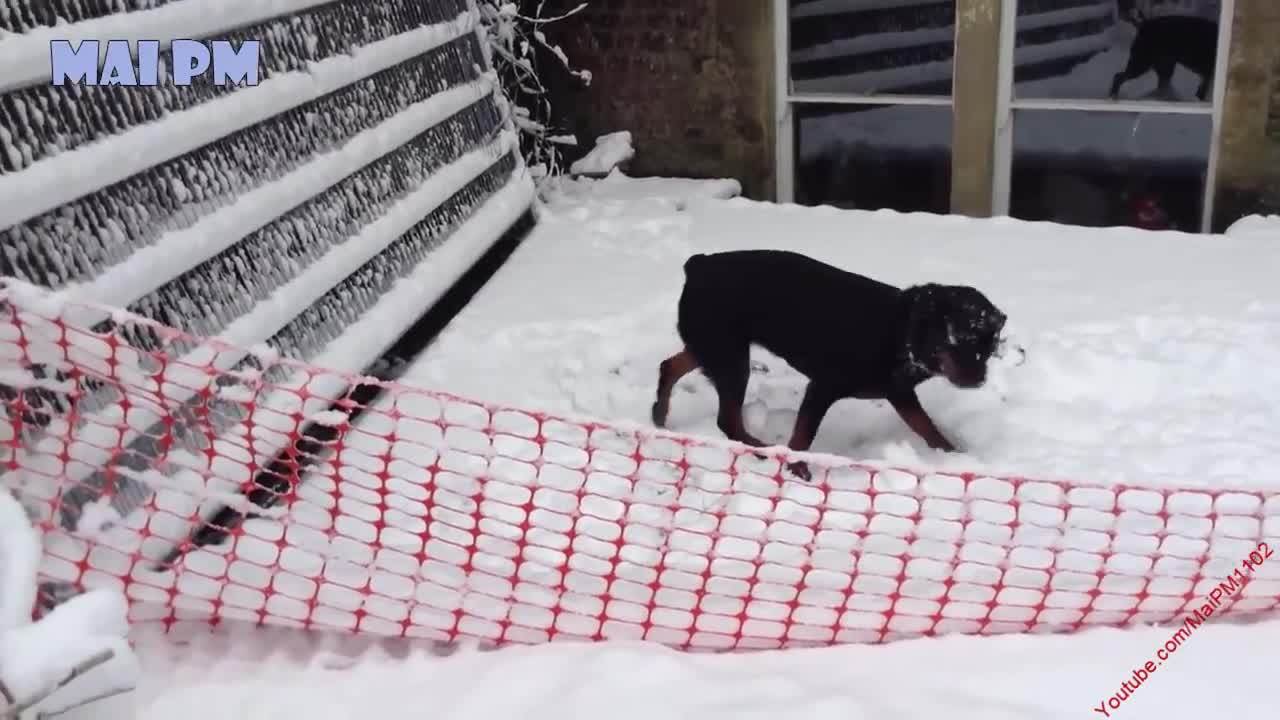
<point x="1163" y="43"/>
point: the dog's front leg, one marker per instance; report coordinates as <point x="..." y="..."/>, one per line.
<point x="911" y="412"/>
<point x="1116" y="82"/>
<point x="813" y="408"/>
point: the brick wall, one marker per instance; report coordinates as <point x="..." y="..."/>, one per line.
<point x="1273" y="112"/>
<point x="691" y="79"/>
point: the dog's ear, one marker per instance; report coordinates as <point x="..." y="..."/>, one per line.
<point x="928" y="324"/>
<point x="922" y="306"/>
<point x="924" y="332"/>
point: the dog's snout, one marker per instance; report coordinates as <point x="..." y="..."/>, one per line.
<point x="1005" y="348"/>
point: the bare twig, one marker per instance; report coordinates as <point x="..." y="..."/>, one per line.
<point x="87" y="701"/>
<point x="515" y="40"/>
<point x="15" y="709"/>
<point x="539" y="20"/>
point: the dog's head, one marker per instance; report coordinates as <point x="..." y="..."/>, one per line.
<point x="952" y="331"/>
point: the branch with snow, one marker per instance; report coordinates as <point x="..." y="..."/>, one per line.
<point x="513" y="41"/>
<point x="71" y="659"/>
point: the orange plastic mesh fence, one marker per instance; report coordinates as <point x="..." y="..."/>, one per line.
<point x="434" y="516"/>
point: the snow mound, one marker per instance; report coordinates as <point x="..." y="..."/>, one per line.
<point x="19" y="558"/>
<point x="611" y="150"/>
<point x="1255" y="225"/>
<point x="646" y="194"/>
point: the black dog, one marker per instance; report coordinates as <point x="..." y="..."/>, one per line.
<point x="1163" y="43"/>
<point x="851" y="336"/>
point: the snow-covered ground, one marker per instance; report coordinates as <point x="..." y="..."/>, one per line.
<point x="1222" y="671"/>
<point x="1143" y="348"/>
<point x="1143" y="366"/>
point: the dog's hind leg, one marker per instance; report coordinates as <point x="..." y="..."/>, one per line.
<point x="817" y="401"/>
<point x="813" y="408"/>
<point x="1137" y="67"/>
<point x="1165" y="68"/>
<point x="669" y="373"/>
<point x="729" y="374"/>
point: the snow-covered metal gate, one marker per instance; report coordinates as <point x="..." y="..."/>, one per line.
<point x="316" y="216"/>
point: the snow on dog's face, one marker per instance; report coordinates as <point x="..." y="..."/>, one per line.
<point x="954" y="332"/>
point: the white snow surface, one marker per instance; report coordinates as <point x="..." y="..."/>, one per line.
<point x="275" y="674"/>
<point x="610" y="151"/>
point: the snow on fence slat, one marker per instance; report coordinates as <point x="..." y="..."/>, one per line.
<point x="49" y="120"/>
<point x="23" y="16"/>
<point x="139" y="209"/>
<point x="435" y="516"/>
<point x="24" y="57"/>
<point x="150" y="143"/>
<point x="255" y="215"/>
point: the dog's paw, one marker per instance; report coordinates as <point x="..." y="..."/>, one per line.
<point x="943" y="445"/>
<point x="658" y="414"/>
<point x="801" y="470"/>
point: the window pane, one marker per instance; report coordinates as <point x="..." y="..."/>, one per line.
<point x="872" y="157"/>
<point x="1108" y="168"/>
<point x="872" y="46"/>
<point x="1076" y="49"/>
